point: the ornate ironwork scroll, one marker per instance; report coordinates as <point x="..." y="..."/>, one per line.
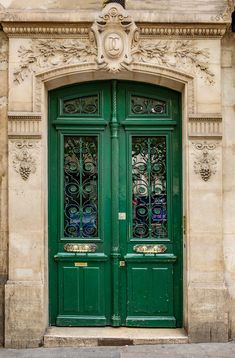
<point x="150" y="249"/>
<point x="80" y="187"/>
<point x="144" y="105"/>
<point x="80" y="247"/>
<point x="81" y="105"/>
<point x="149" y="196"/>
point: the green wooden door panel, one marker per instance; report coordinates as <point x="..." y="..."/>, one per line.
<point x="150" y="290"/>
<point x="115" y="183"/>
<point x="70" y="284"/>
<point x="81" y="294"/>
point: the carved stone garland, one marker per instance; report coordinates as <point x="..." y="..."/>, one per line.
<point x="205" y="163"/>
<point x="114" y="45"/>
<point x="23" y="160"/>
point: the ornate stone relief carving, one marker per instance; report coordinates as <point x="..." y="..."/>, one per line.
<point x="114" y="45"/>
<point x="49" y="53"/>
<point x="226" y="15"/>
<point x="3" y="53"/>
<point x="116" y="37"/>
<point x="24" y="161"/>
<point x="178" y="54"/>
<point x="204" y="125"/>
<point x="205" y="162"/>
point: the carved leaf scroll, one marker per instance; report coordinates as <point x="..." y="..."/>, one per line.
<point x="114" y="45"/>
<point x="178" y="54"/>
<point x="49" y="53"/>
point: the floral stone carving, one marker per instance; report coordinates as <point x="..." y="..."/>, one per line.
<point x="23" y="161"/>
<point x="50" y="53"/>
<point x="116" y="37"/>
<point x="114" y="44"/>
<point x="205" y="163"/>
<point x="176" y="54"/>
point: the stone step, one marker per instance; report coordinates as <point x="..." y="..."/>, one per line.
<point x="110" y="336"/>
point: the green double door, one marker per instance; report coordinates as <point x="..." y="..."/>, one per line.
<point x="115" y="211"/>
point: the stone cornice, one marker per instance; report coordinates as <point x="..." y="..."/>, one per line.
<point x="40" y="29"/>
<point x="205" y="125"/>
<point x="24" y="125"/>
<point x="184" y="30"/>
<point x="81" y="29"/>
<point x="36" y="116"/>
<point x="143" y="15"/>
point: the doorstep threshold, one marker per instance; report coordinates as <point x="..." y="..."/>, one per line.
<point x="111" y="336"/>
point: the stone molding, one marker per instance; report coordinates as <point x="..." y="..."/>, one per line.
<point x="182" y="30"/>
<point x="24" y="125"/>
<point x="205" y="125"/>
<point x="42" y="29"/>
<point x="169" y="74"/>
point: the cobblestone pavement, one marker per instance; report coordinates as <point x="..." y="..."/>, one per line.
<point x="205" y="350"/>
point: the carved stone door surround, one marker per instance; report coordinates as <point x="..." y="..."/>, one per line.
<point x="182" y="57"/>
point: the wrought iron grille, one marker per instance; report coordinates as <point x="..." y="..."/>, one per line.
<point x="81" y="105"/>
<point x="144" y="105"/>
<point x="149" y="191"/>
<point x="80" y="187"/>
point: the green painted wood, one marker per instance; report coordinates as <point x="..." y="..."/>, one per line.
<point x="145" y="290"/>
<point x="115" y="253"/>
<point x="143" y="297"/>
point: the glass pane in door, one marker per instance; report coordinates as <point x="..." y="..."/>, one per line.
<point x="149" y="188"/>
<point x="80" y="187"/>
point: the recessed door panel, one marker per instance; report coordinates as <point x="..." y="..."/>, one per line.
<point x="150" y="290"/>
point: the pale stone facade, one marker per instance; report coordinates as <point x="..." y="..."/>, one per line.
<point x="184" y="45"/>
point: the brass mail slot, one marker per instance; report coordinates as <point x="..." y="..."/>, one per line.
<point x="80" y="264"/>
<point x="80" y="247"/>
<point x="150" y="249"/>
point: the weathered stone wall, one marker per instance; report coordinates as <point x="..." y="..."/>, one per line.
<point x="3" y="175"/>
<point x="228" y="100"/>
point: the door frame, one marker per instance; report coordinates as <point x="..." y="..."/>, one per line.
<point x="116" y="258"/>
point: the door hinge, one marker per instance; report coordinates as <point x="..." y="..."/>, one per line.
<point x="122" y="263"/>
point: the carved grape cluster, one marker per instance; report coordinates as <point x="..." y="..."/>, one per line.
<point x="24" y="172"/>
<point x="23" y="161"/>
